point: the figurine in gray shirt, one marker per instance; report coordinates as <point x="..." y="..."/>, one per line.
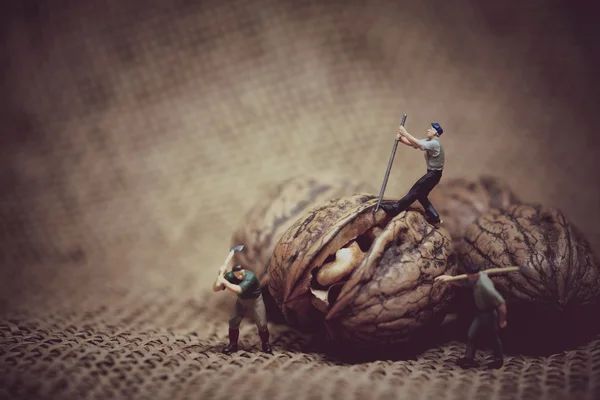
<point x="434" y="158"/>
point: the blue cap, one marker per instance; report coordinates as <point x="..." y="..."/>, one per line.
<point x="437" y="128"/>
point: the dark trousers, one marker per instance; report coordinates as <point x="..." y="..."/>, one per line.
<point x="484" y="320"/>
<point x="420" y="191"/>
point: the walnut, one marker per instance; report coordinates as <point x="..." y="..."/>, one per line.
<point x="559" y="271"/>
<point x="460" y="201"/>
<point x="277" y="209"/>
<point x="367" y="278"/>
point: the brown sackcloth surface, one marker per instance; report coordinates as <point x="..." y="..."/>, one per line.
<point x="136" y="134"/>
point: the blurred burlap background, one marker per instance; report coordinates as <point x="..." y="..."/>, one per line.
<point x="136" y="134"/>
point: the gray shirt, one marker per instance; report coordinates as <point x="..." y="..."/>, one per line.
<point x="434" y="153"/>
<point x="486" y="295"/>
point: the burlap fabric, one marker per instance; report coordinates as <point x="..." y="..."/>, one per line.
<point x="135" y="135"/>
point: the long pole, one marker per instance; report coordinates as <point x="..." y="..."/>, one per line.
<point x="389" y="168"/>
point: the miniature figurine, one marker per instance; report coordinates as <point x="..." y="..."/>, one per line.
<point x="245" y="284"/>
<point x="491" y="310"/>
<point x="434" y="157"/>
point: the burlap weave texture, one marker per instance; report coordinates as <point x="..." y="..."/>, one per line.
<point x="135" y="135"/>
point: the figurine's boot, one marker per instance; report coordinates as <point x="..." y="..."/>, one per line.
<point x="264" y="337"/>
<point x="468" y="360"/>
<point x="498" y="361"/>
<point x="392" y="208"/>
<point x="405" y="202"/>
<point x="431" y="216"/>
<point x="400" y="205"/>
<point x="433" y="220"/>
<point x="234" y="334"/>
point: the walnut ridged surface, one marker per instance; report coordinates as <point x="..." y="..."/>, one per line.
<point x="559" y="270"/>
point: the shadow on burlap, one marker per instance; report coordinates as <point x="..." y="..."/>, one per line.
<point x="137" y="134"/>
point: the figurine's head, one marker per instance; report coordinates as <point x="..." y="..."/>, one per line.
<point x="238" y="272"/>
<point x="472" y="271"/>
<point x="435" y="130"/>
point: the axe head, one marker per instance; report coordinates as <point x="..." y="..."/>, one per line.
<point x="237" y="248"/>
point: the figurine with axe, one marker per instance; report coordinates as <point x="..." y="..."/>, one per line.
<point x="434" y="158"/>
<point x="246" y="286"/>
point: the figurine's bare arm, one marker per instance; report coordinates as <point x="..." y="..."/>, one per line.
<point x="414" y="142"/>
<point x="502" y="315"/>
<point x="498" y="300"/>
<point x="218" y="284"/>
<point x="404" y="140"/>
<point x="237" y="289"/>
<point x="450" y="279"/>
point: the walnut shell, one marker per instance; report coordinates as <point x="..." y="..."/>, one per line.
<point x="384" y="291"/>
<point x="275" y="211"/>
<point x="460" y="201"/>
<point x="559" y="271"/>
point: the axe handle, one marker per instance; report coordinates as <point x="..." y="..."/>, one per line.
<point x="229" y="257"/>
<point x="491" y="271"/>
<point x="227" y="260"/>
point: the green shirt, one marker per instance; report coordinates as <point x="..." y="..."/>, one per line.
<point x="486" y="295"/>
<point x="250" y="284"/>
